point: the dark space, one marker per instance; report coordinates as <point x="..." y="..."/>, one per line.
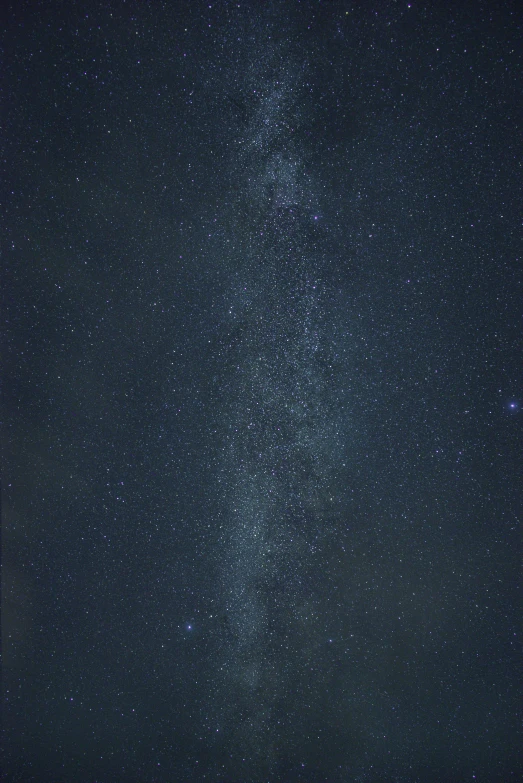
<point x="262" y="389"/>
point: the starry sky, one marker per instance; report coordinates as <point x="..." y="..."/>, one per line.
<point x="262" y="339"/>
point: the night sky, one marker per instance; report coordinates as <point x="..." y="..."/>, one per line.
<point x="262" y="392"/>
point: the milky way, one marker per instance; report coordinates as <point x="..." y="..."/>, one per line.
<point x="283" y="440"/>
<point x="263" y="419"/>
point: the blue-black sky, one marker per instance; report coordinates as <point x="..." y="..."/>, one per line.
<point x="262" y="392"/>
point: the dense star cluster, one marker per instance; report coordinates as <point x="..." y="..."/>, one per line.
<point x="262" y="396"/>
<point x="285" y="429"/>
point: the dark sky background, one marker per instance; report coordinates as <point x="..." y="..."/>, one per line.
<point x="262" y="330"/>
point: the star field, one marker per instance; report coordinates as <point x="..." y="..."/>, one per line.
<point x="262" y="396"/>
